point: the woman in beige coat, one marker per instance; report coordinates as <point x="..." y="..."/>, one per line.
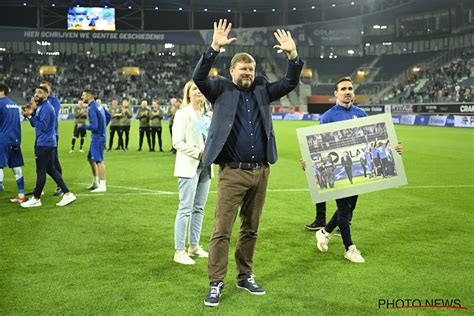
<point x="190" y="126"/>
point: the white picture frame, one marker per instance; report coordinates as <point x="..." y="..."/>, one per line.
<point x="340" y="158"/>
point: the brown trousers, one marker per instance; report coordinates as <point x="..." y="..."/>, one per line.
<point x="247" y="189"/>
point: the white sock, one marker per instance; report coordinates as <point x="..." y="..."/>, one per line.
<point x="1" y="179"/>
<point x="95" y="181"/>
<point x="19" y="181"/>
<point x="102" y="184"/>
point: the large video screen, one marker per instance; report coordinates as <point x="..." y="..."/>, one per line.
<point x="91" y="19"/>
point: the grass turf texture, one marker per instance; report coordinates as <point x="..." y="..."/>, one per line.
<point x="112" y="253"/>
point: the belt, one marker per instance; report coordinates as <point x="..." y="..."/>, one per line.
<point x="246" y="165"/>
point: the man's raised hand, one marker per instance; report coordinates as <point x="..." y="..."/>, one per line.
<point x="221" y="31"/>
<point x="286" y="43"/>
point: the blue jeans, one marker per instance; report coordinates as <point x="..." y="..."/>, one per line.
<point x="192" y="200"/>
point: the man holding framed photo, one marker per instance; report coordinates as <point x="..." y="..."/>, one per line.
<point x="341" y="111"/>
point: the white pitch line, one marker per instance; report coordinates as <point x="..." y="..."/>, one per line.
<point x="128" y="193"/>
<point x="156" y="192"/>
<point x="403" y="187"/>
<point x="451" y="186"/>
<point x="136" y="189"/>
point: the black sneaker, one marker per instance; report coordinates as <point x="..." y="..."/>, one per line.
<point x="58" y="192"/>
<point x="212" y="298"/>
<point x="316" y="225"/>
<point x="250" y="285"/>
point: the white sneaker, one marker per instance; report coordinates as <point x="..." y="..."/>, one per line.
<point x="352" y="254"/>
<point x="71" y="151"/>
<point x="81" y="151"/>
<point x="99" y="189"/>
<point x="67" y="199"/>
<point x="197" y="251"/>
<point x="182" y="257"/>
<point x="92" y="186"/>
<point x="322" y="240"/>
<point x="32" y="202"/>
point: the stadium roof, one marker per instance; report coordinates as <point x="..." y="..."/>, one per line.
<point x="212" y="5"/>
<point x="199" y="14"/>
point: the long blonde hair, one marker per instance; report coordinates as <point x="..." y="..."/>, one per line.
<point x="186" y="98"/>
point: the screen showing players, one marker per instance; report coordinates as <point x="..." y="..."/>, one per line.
<point x="91" y="19"/>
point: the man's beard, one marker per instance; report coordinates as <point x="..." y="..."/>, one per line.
<point x="39" y="100"/>
<point x="241" y="82"/>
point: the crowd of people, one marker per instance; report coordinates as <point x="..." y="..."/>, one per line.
<point x="149" y="124"/>
<point x="42" y="112"/>
<point x="346" y="137"/>
<point x="443" y="84"/>
<point x="160" y="75"/>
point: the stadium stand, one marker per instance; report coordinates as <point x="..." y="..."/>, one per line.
<point x="392" y="65"/>
<point x="162" y="75"/>
<point x="450" y="82"/>
<point x="328" y="70"/>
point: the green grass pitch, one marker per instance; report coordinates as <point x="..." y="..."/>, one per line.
<point x="112" y="253"/>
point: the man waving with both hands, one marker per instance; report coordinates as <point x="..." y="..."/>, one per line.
<point x="242" y="141"/>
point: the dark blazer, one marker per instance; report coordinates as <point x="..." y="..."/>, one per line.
<point x="224" y="95"/>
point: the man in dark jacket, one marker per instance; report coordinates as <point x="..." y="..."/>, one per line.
<point x="242" y="141"/>
<point x="346" y="162"/>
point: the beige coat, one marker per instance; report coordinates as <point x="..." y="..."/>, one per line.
<point x="188" y="142"/>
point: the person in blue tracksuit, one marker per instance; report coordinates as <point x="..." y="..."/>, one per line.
<point x="343" y="110"/>
<point x="43" y="119"/>
<point x="383" y="158"/>
<point x="98" y="117"/>
<point x="10" y="142"/>
<point x="57" y="109"/>
<point x="391" y="163"/>
<point x="369" y="162"/>
<point x="376" y="159"/>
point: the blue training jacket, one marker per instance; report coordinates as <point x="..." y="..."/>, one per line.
<point x="339" y="113"/>
<point x="98" y="117"/>
<point x="57" y="108"/>
<point x="10" y="128"/>
<point x="44" y="122"/>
